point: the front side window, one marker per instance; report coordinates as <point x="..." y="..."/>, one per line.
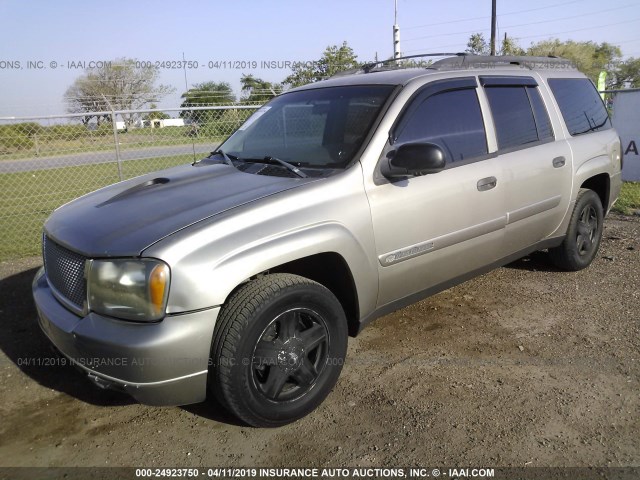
<point x="323" y="127"/>
<point x="580" y="104"/>
<point x="450" y="119"/>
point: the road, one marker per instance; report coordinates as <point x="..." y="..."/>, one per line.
<point x="88" y="158"/>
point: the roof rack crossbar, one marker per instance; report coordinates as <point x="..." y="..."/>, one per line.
<point x="367" y="67"/>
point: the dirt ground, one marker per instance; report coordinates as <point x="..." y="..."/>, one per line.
<point x="523" y="366"/>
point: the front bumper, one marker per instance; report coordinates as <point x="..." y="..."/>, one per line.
<point x="163" y="363"/>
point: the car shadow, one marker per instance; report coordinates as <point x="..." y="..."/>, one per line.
<point x="211" y="409"/>
<point x="535" y="262"/>
<point x="29" y="349"/>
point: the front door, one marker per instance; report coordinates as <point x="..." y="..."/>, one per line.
<point x="432" y="229"/>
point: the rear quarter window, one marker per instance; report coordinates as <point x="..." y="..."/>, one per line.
<point x="580" y="104"/>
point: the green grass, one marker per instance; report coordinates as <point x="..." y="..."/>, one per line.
<point x="28" y="198"/>
<point x="30" y="139"/>
<point x="629" y="199"/>
<point x="141" y="139"/>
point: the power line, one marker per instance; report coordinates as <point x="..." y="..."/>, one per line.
<point x="581" y="29"/>
<point x="538" y="35"/>
<point x="627" y="41"/>
<point x="488" y="16"/>
<point x="523" y="24"/>
<point x="452" y="45"/>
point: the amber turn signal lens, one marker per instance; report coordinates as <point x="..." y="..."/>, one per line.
<point x="158" y="281"/>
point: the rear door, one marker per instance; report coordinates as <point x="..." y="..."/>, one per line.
<point x="536" y="166"/>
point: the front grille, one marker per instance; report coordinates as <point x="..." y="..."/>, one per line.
<point x="65" y="272"/>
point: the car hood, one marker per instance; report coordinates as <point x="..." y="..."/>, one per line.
<point x="125" y="218"/>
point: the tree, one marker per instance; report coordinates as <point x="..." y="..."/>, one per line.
<point x="155" y="115"/>
<point x="84" y="97"/>
<point x="627" y="74"/>
<point x="334" y="59"/>
<point x="510" y="46"/>
<point x="589" y="57"/>
<point x="256" y="90"/>
<point x="477" y="45"/>
<point x="204" y="95"/>
<point x="208" y="94"/>
<point x="118" y="85"/>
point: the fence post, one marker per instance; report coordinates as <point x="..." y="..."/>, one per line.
<point x="117" y="144"/>
<point x="116" y="140"/>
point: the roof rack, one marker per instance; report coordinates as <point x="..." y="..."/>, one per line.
<point x="369" y="67"/>
<point x="483" y="61"/>
<point x="464" y="60"/>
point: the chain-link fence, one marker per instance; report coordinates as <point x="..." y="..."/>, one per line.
<point x="48" y="161"/>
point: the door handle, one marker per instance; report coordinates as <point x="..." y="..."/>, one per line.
<point x="558" y="162"/>
<point x="487" y="183"/>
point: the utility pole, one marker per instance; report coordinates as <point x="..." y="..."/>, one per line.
<point x="493" y="27"/>
<point x="396" y="33"/>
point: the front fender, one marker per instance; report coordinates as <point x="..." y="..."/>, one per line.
<point x="209" y="261"/>
<point x="327" y="237"/>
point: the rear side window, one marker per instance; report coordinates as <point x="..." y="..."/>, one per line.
<point x="450" y="119"/>
<point x="580" y="104"/>
<point x="512" y="116"/>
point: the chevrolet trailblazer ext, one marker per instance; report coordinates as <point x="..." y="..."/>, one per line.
<point x="243" y="274"/>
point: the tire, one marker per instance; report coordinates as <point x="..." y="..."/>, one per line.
<point x="278" y="349"/>
<point x="584" y="234"/>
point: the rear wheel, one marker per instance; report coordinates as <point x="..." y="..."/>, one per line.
<point x="581" y="244"/>
<point x="278" y="349"/>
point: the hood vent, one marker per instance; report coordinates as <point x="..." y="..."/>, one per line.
<point x="135" y="189"/>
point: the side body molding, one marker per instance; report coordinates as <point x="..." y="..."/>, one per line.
<point x="443" y="241"/>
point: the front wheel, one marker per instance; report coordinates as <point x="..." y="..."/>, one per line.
<point x="584" y="233"/>
<point x="278" y="349"/>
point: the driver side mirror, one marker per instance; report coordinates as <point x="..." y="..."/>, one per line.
<point x="413" y="159"/>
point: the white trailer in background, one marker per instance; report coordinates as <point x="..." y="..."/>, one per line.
<point x="166" y="122"/>
<point x="626" y="120"/>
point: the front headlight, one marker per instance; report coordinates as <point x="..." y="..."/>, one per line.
<point x="129" y="289"/>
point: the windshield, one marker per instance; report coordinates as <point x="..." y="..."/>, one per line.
<point x="322" y="127"/>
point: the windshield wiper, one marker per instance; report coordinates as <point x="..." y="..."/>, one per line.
<point x="226" y="157"/>
<point x="287" y="165"/>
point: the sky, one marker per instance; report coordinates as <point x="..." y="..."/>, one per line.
<point x="57" y="36"/>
